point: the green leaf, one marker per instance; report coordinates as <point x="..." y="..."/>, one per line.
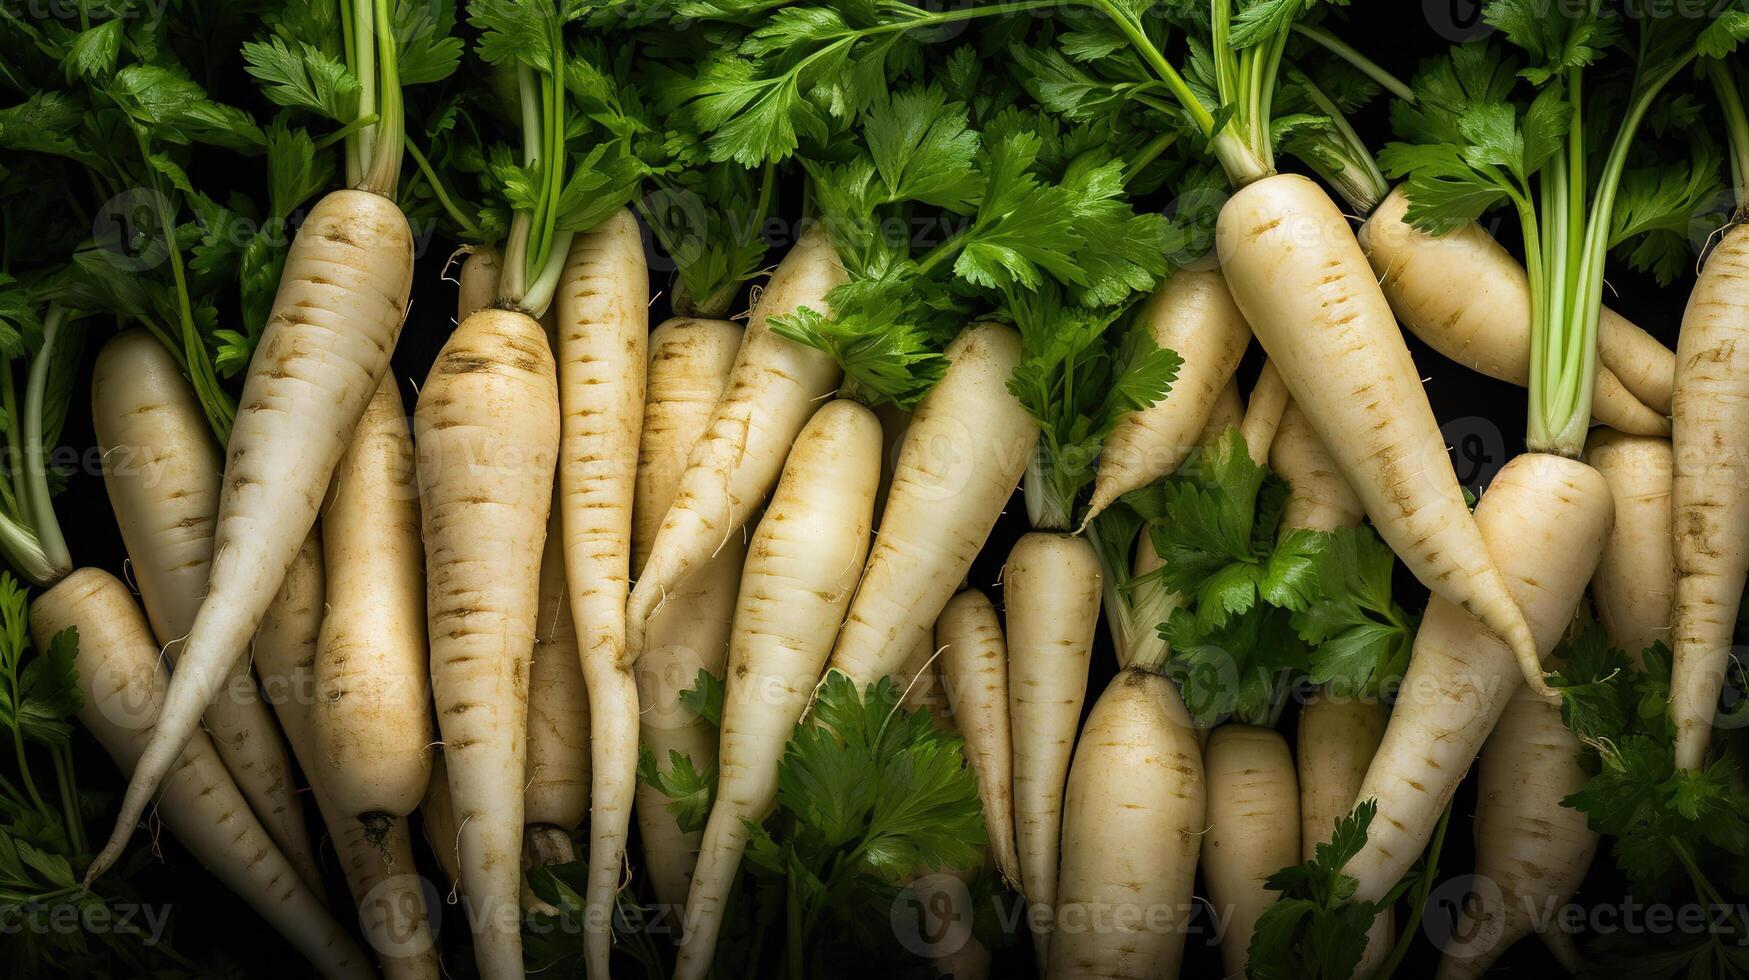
<point x="302" y="77"/>
<point x="705" y="697"/>
<point x="1314" y="930"/>
<point x="690" y="792"/>
<point x="1556" y="36"/>
<point x="93" y="53"/>
<point x="517" y="32"/>
<point x="1361" y="638"/>
<point x="428" y="52"/>
<point x="45" y="123"/>
<point x="1660" y="210"/>
<point x="923" y="151"/>
<point x="173" y="108"/>
<point x="877" y="345"/>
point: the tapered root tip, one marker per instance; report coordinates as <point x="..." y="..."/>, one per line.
<point x="1102" y="498"/>
<point x="106" y="857"/>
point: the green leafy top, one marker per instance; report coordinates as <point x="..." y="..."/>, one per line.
<point x="1033" y="234"/>
<point x="1076" y="386"/>
<point x="1679" y="834"/>
<point x="132" y="117"/>
<point x="1313" y="930"/>
<point x="870" y="795"/>
<point x="1258" y="608"/>
<point x="346" y="63"/>
<point x="1471" y="145"/>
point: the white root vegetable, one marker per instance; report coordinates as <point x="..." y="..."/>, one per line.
<point x="488" y="431"/>
<point x="1228" y="413"/>
<point x="919" y="685"/>
<point x="1304" y="286"/>
<point x="1133" y="823"/>
<point x="555" y="796"/>
<point x="974" y="670"/>
<point x="603" y="329"/>
<point x="161" y="469"/>
<point x="1051" y="591"/>
<point x="477" y="282"/>
<point x="1460" y="678"/>
<point x="1263" y="413"/>
<point x="690" y="361"/>
<point x="373" y="682"/>
<point x="379" y="869"/>
<point x="1191" y="313"/>
<point x="1318" y="496"/>
<point x="962" y="458"/>
<point x="1253" y="830"/>
<point x="325" y="347"/>
<point x="1337" y="739"/>
<point x="1468" y="298"/>
<point x="1710" y="494"/>
<point x="123" y="684"/>
<point x="442" y="829"/>
<point x="1531" y="852"/>
<point x="1635" y="584"/>
<point x="775" y="387"/>
<point x="801" y="568"/>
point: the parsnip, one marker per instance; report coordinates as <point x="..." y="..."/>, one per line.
<point x="1304" y="286"/>
<point x="325" y="347"/>
<point x="974" y="669"/>
<point x="1635" y="582"/>
<point x="487" y="426"/>
<point x="373" y="682"/>
<point x="795" y="589"/>
<point x="1051" y="591"/>
<point x="962" y="458"/>
<point x="690" y="361"/>
<point x="1253" y="829"/>
<point x="1460" y="678"/>
<point x="161" y="469"/>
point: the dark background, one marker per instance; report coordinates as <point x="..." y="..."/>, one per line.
<point x="1483" y="421"/>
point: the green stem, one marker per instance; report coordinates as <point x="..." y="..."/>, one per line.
<point x="15" y="440"/>
<point x="345" y="131"/>
<point x="214" y="400"/>
<point x="1360" y="62"/>
<point x="947" y="249"/>
<point x="1241" y="164"/>
<point x="467" y="226"/>
<point x="539" y="294"/>
<point x="63" y="758"/>
<point x="363" y="49"/>
<point x="39" y="508"/>
<point x="385" y="136"/>
<point x="1566" y="409"/>
<point x="1417" y="904"/>
<point x="1138" y="38"/>
<point x="30" y="789"/>
<point x="1736" y="127"/>
<point x="354" y="141"/>
<point x="1148" y="154"/>
<point x="1360" y="182"/>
